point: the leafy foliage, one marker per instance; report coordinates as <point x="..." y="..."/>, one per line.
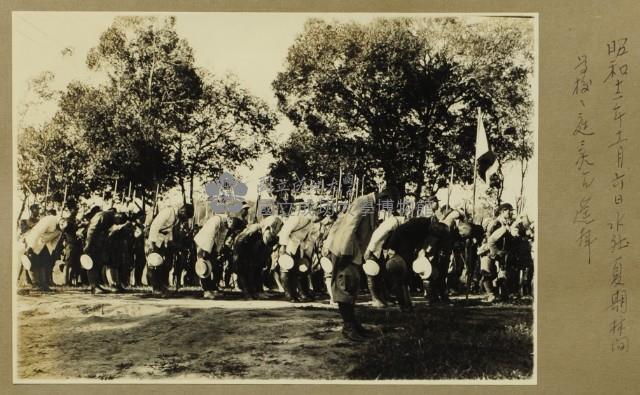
<point x="402" y="95"/>
<point x="157" y="119"/>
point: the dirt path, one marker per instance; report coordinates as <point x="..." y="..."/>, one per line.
<point x="131" y="336"/>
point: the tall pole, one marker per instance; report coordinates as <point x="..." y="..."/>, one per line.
<point x="64" y="200"/>
<point x="114" y="193"/>
<point x="338" y="192"/>
<point x="129" y="194"/>
<point x="46" y="193"/>
<point x="449" y="187"/>
<point x="475" y="171"/>
<point x="363" y="177"/>
<point x="155" y="201"/>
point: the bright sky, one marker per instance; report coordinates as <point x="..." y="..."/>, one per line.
<point x="253" y="46"/>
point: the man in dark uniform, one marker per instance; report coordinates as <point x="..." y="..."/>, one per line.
<point x="72" y="245"/>
<point x="468" y="238"/>
<point x="95" y="246"/>
<point x="182" y="248"/>
<point x="440" y="252"/>
<point x="139" y="257"/>
<point x="405" y="244"/>
<point x="120" y="251"/>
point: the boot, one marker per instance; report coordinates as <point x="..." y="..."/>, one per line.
<point x="285" y="278"/>
<point x="350" y="332"/>
<point x="488" y="287"/>
<point x="377" y="299"/>
<point x="305" y="290"/>
<point x="429" y="292"/>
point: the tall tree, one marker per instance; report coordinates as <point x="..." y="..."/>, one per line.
<point x="228" y="127"/>
<point x="406" y="92"/>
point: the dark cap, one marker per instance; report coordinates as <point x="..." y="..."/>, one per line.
<point x="186" y="210"/>
<point x="389" y="192"/>
<point x="34" y="206"/>
<point x="504" y="207"/>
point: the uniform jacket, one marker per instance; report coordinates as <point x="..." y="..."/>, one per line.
<point x="273" y="222"/>
<point x="295" y="234"/>
<point x="44" y="233"/>
<point x="351" y="233"/>
<point x="97" y="230"/>
<point x="498" y="242"/>
<point x="411" y="236"/>
<point x="212" y="234"/>
<point x="161" y="229"/>
<point x="381" y="234"/>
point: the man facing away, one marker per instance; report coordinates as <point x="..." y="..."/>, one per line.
<point x="345" y="246"/>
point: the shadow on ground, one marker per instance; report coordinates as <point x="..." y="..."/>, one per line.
<point x="128" y="337"/>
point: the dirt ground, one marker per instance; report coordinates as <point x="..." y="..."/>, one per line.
<point x="71" y="334"/>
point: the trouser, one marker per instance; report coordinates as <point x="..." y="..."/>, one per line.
<point x="399" y="275"/>
<point x="345" y="279"/>
<point x="72" y="268"/>
<point x="99" y="258"/>
<point x="139" y="261"/>
<point x="40" y="267"/>
<point x="526" y="280"/>
<point x="488" y="273"/>
<point x="455" y="272"/>
<point x="288" y="279"/>
<point x="179" y="266"/>
<point x="211" y="282"/>
<point x="112" y="272"/>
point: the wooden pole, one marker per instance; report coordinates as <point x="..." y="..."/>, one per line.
<point x="114" y="193"/>
<point x="339" y="190"/>
<point x="475" y="175"/>
<point x="64" y="200"/>
<point x="354" y="188"/>
<point x="46" y="193"/>
<point x="155" y="201"/>
<point x="363" y="178"/>
<point x="129" y="194"/>
<point x="255" y="215"/>
<point x="449" y="187"/>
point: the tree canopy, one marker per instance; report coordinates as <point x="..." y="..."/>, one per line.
<point x="402" y="95"/>
<point x="156" y="119"/>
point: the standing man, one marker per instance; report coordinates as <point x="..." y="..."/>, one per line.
<point x="161" y="237"/>
<point x="498" y="265"/>
<point x="345" y="246"/>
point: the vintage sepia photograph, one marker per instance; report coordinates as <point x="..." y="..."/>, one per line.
<point x="275" y="197"/>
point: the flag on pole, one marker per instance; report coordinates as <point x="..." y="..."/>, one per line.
<point x="486" y="160"/>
